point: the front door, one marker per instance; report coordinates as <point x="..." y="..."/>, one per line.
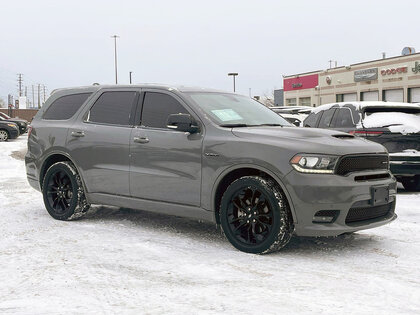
<point x="165" y="165"/>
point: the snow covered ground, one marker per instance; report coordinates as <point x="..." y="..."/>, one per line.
<point x="125" y="261"/>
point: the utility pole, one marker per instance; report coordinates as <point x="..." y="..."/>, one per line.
<point x="130" y="76"/>
<point x="330" y="61"/>
<point x="39" y="95"/>
<point x="115" y="57"/>
<point x="33" y="96"/>
<point x="26" y="91"/>
<point x="43" y="88"/>
<point x="20" y="79"/>
<point x="233" y="74"/>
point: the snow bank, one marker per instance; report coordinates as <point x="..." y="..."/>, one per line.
<point x="396" y="122"/>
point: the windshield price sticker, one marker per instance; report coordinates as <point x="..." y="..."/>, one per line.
<point x="226" y="114"/>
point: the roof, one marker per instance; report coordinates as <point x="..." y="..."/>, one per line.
<point x="180" y="88"/>
<point x="360" y="105"/>
<point x="351" y="65"/>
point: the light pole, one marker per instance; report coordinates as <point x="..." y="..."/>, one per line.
<point x="130" y="75"/>
<point x="233" y="74"/>
<point x="115" y="57"/>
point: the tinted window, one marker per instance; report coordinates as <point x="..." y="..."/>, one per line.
<point x="65" y="107"/>
<point x="326" y="118"/>
<point x="311" y="120"/>
<point x="113" y="108"/>
<point x="157" y="107"/>
<point x="344" y="118"/>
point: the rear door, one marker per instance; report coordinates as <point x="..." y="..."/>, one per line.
<point x="165" y="164"/>
<point x="99" y="141"/>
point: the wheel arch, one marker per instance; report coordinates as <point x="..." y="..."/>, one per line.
<point x="52" y="159"/>
<point x="231" y="174"/>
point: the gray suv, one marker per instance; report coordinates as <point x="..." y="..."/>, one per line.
<point x="208" y="155"/>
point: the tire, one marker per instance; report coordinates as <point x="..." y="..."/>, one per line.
<point x="411" y="183"/>
<point x="255" y="215"/>
<point x="63" y="192"/>
<point x="4" y="135"/>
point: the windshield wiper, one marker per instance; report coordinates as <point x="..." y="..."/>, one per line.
<point x="234" y="125"/>
<point x="274" y="125"/>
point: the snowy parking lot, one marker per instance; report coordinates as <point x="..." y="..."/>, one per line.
<point x="125" y="261"/>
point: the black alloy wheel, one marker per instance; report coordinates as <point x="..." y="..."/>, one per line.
<point x="255" y="215"/>
<point x="63" y="192"/>
<point x="250" y="216"/>
<point x="59" y="191"/>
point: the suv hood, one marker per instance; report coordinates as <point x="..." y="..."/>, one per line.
<point x="309" y="140"/>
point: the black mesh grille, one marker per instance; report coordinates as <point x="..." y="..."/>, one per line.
<point x="350" y="164"/>
<point x="361" y="214"/>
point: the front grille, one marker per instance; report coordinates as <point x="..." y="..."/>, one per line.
<point x="349" y="164"/>
<point x="368" y="213"/>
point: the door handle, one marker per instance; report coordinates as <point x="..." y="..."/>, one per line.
<point x="78" y="134"/>
<point x="141" y="140"/>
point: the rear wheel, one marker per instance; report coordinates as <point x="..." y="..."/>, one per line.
<point x="63" y="192"/>
<point x="4" y="135"/>
<point x="411" y="183"/>
<point x="255" y="215"/>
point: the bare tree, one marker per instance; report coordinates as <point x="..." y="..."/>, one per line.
<point x="268" y="99"/>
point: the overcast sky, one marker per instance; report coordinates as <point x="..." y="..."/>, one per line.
<point x="67" y="43"/>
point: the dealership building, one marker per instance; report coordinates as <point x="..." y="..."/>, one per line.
<point x="395" y="79"/>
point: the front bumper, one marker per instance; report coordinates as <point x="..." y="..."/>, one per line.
<point x="13" y="133"/>
<point x="311" y="193"/>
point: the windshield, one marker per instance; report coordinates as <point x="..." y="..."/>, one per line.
<point x="4" y="116"/>
<point x="1" y="118"/>
<point x="230" y="110"/>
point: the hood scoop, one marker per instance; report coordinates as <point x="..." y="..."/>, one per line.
<point x="343" y="136"/>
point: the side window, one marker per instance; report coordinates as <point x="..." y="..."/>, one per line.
<point x="65" y="107"/>
<point x="113" y="108"/>
<point x="311" y="120"/>
<point x="326" y="118"/>
<point x="157" y="107"/>
<point x="344" y="119"/>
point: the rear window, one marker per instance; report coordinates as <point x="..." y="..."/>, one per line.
<point x="326" y="118"/>
<point x="65" y="107"/>
<point x="311" y="120"/>
<point x="390" y="109"/>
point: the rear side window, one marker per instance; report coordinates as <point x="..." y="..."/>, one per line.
<point x="113" y="108"/>
<point x="326" y="118"/>
<point x="157" y="107"/>
<point x="65" y="107"/>
<point x="311" y="120"/>
<point x="344" y="119"/>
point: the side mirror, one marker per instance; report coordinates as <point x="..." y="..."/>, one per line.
<point x="182" y="122"/>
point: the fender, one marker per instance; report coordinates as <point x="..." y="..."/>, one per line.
<point x="260" y="168"/>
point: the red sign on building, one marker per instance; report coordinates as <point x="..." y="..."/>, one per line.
<point x="301" y="82"/>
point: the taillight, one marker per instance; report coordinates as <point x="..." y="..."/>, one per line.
<point x="29" y="130"/>
<point x="365" y="133"/>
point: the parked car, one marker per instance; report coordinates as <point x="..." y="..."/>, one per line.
<point x="394" y="125"/>
<point x="293" y="114"/>
<point x="8" y="130"/>
<point x="205" y="154"/>
<point x="22" y="123"/>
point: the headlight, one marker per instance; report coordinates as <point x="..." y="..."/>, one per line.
<point x="12" y="125"/>
<point x="313" y="163"/>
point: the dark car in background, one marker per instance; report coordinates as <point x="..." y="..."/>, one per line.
<point x="394" y="125"/>
<point x="22" y="123"/>
<point x="8" y="130"/>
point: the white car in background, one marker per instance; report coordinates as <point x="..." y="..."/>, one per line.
<point x="293" y="114"/>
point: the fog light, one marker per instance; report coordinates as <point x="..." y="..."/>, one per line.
<point x="325" y="216"/>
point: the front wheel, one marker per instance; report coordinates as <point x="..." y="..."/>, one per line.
<point x="255" y="215"/>
<point x="63" y="192"/>
<point x="4" y="136"/>
<point x="411" y="183"/>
